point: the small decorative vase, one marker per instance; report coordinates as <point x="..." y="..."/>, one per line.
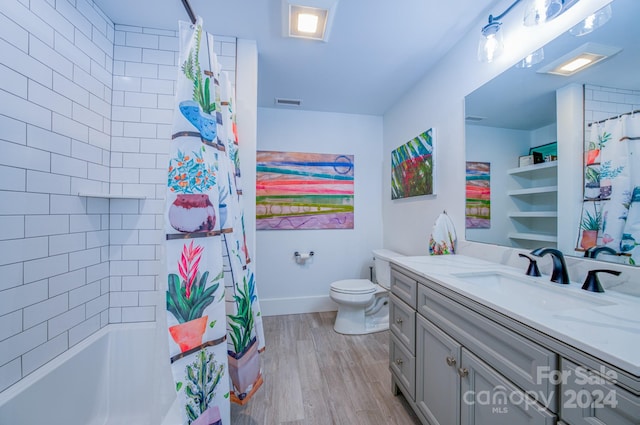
<point x="191" y="213"/>
<point x="589" y="239"/>
<point x="188" y="335"/>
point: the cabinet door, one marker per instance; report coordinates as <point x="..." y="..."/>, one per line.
<point x="487" y="398"/>
<point x="590" y="399"/>
<point x="437" y="383"/>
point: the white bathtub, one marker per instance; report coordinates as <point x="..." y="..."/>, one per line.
<point x="115" y="377"/>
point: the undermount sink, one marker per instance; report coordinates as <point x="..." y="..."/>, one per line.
<point x="531" y="291"/>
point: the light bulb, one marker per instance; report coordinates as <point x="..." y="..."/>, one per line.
<point x="491" y="43"/>
<point x="538" y="12"/>
<point x="592" y="22"/>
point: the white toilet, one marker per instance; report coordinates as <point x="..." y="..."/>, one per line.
<point x="363" y="306"/>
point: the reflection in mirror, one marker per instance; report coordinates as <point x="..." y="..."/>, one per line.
<point x="517" y="198"/>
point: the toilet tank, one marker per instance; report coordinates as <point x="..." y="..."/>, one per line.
<point x="381" y="258"/>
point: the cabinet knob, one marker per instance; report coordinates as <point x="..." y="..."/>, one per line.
<point x="463" y="372"/>
<point x="451" y="361"/>
<point x="399" y="320"/>
<point x="399" y="362"/>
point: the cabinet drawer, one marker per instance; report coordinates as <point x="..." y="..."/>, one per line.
<point x="404" y="288"/>
<point x="403" y="365"/>
<point x="514" y="356"/>
<point x="402" y="322"/>
<point x="589" y="399"/>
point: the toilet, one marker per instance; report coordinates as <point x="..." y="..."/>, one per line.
<point x="363" y="306"/>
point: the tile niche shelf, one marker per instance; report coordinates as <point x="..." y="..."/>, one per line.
<point x="534" y="194"/>
<point x="109" y="195"/>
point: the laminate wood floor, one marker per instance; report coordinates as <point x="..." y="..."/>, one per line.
<point x="315" y="376"/>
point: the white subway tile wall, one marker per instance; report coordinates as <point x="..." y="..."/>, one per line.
<point x="601" y="103"/>
<point x="85" y="106"/>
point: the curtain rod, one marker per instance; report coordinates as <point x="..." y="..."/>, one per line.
<point x="614" y="117"/>
<point x="187" y="7"/>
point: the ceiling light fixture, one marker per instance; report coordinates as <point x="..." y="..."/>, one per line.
<point x="536" y="12"/>
<point x="592" y="22"/>
<point x="309" y="19"/>
<point x="580" y="59"/>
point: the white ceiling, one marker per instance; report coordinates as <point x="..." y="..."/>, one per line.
<point x="377" y="49"/>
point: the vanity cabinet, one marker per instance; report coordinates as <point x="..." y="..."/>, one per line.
<point x="534" y="197"/>
<point x="594" y="399"/>
<point x="459" y="362"/>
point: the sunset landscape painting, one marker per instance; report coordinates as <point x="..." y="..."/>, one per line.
<point x="296" y="190"/>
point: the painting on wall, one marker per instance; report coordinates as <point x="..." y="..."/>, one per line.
<point x="412" y="172"/>
<point x="478" y="190"/>
<point x="296" y="190"/>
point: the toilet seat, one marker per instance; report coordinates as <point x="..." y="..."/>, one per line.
<point x="353" y="286"/>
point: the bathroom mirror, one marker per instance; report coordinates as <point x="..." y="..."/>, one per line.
<point x="516" y="112"/>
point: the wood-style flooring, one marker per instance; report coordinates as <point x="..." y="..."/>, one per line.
<point x="315" y="376"/>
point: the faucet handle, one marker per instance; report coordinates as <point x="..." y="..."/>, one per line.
<point x="592" y="283"/>
<point x="532" y="270"/>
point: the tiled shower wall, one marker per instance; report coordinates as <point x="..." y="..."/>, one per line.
<point x="601" y="103"/>
<point x="69" y="264"/>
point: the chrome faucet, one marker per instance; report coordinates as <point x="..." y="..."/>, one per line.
<point x="559" y="274"/>
<point x="595" y="250"/>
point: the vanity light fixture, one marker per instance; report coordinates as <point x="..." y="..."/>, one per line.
<point x="307" y="19"/>
<point x="579" y="59"/>
<point x="536" y="12"/>
<point x="592" y="22"/>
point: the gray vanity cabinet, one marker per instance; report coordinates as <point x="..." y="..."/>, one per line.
<point x="592" y="399"/>
<point x="459" y="362"/>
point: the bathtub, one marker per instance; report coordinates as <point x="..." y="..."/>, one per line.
<point x="117" y="376"/>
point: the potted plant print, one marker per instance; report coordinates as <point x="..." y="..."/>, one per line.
<point x="199" y="111"/>
<point x="244" y="361"/>
<point x="592" y="183"/>
<point x="190" y="178"/>
<point x="590" y="225"/>
<point x="188" y="297"/>
<point x="202" y="378"/>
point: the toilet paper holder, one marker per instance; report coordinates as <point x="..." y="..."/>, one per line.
<point x="302" y="257"/>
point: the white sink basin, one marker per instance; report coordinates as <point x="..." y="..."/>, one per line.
<point x="530" y="291"/>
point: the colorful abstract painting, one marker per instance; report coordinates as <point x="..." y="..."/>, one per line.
<point x="297" y="190"/>
<point x="412" y="172"/>
<point x="478" y="208"/>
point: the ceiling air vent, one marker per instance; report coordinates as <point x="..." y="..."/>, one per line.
<point x="288" y="102"/>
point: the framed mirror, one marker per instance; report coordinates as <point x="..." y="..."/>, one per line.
<point x="519" y="193"/>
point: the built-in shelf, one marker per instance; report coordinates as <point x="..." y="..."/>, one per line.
<point x="533" y="214"/>
<point x="109" y="195"/>
<point x="533" y="237"/>
<point x="533" y="190"/>
<point x="533" y="167"/>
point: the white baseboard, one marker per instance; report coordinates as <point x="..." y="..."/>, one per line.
<point x="298" y="305"/>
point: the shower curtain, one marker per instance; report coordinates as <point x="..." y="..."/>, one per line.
<point x="213" y="315"/>
<point x="613" y="168"/>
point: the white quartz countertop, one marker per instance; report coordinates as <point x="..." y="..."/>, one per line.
<point x="604" y="325"/>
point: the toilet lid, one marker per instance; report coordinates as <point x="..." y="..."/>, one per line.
<point x="354" y="286"/>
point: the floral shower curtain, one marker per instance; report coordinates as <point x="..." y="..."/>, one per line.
<point x="213" y="315"/>
<point x="612" y="187"/>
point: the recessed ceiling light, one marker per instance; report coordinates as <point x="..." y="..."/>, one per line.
<point x="579" y="59"/>
<point x="307" y="23"/>
<point x="308" y="18"/>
